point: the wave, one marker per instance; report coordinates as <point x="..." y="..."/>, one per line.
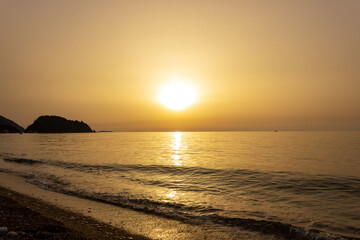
<point x="212" y="180"/>
<point x="232" y="179"/>
<point x="191" y="214"/>
<point x="23" y="160"/>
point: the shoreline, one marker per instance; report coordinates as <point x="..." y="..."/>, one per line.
<point x="62" y="216"/>
<point x="83" y="216"/>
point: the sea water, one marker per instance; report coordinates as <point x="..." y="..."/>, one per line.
<point x="288" y="184"/>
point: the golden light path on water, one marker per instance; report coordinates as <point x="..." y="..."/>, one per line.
<point x="176" y="159"/>
<point x="176" y="145"/>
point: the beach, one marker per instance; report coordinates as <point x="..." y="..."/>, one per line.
<point x="32" y="217"/>
<point x="29" y="218"/>
<point x="36" y="213"/>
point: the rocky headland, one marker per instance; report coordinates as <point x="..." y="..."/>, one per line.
<point x="56" y="124"/>
<point x="8" y="126"/>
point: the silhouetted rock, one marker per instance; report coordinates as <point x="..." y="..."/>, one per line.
<point x="55" y="124"/>
<point x="8" y="126"/>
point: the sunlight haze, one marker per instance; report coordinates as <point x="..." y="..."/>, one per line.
<point x="255" y="65"/>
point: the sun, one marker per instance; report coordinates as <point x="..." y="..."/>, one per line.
<point x="177" y="95"/>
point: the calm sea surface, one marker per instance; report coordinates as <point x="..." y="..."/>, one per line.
<point x="266" y="181"/>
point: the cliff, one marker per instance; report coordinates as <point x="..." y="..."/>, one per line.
<point x="8" y="126"/>
<point x="55" y="124"/>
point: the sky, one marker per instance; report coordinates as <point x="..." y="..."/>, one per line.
<point x="256" y="65"/>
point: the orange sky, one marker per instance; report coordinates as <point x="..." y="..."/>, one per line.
<point x="258" y="65"/>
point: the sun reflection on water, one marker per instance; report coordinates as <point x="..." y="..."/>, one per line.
<point x="171" y="194"/>
<point x="176" y="146"/>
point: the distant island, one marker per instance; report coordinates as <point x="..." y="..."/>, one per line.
<point x="56" y="124"/>
<point x="8" y="126"/>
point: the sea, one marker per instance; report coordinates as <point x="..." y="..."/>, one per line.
<point x="291" y="185"/>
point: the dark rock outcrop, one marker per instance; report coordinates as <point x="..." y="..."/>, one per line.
<point x="55" y="124"/>
<point x="8" y="126"/>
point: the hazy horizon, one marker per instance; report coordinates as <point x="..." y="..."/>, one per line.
<point x="256" y="65"/>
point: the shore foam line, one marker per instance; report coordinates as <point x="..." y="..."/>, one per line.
<point x="148" y="225"/>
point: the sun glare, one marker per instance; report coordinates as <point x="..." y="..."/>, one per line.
<point x="177" y="95"/>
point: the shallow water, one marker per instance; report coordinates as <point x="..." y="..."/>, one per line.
<point x="271" y="182"/>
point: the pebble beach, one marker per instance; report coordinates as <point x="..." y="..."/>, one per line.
<point x="23" y="217"/>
